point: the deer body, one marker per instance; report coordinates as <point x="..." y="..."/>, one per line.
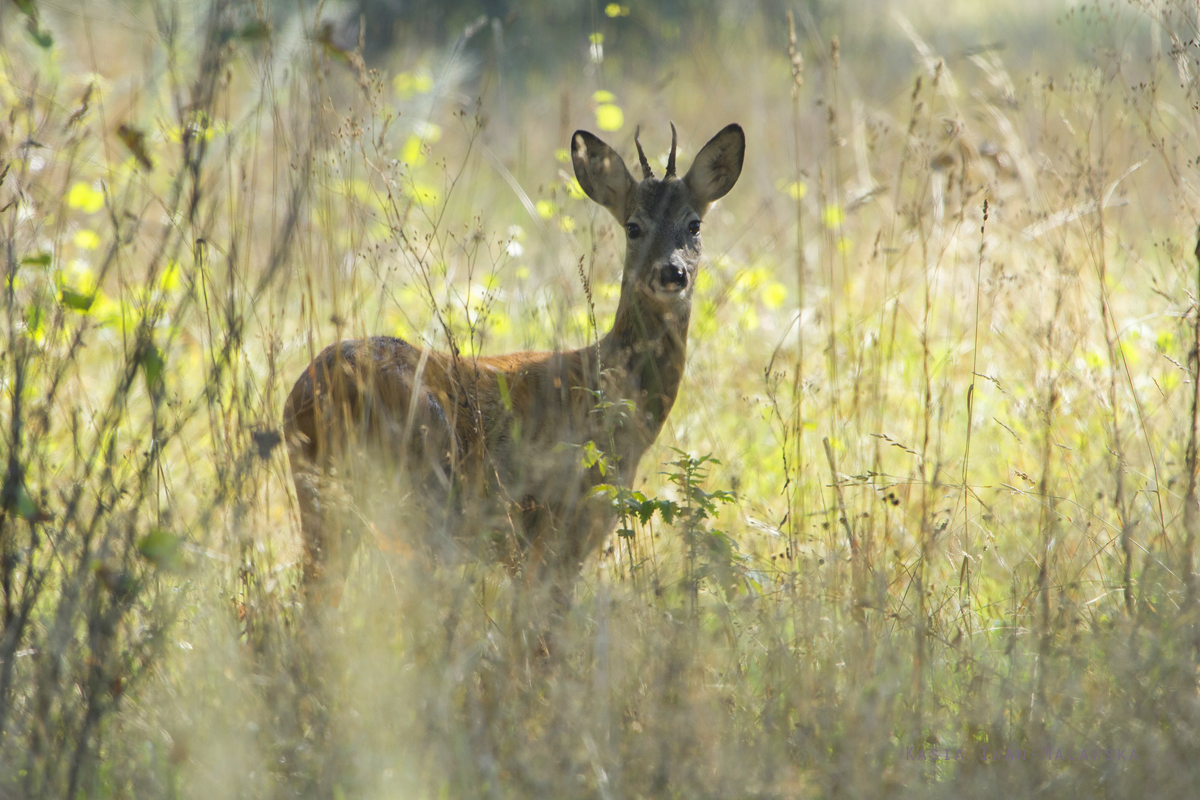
<point x="493" y="444"/>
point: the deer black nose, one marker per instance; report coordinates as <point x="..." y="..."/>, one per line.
<point x="673" y="276"/>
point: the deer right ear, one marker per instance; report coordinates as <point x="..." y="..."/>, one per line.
<point x="601" y="173"/>
<point x="717" y="166"/>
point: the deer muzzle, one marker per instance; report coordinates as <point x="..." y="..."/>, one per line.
<point x="673" y="277"/>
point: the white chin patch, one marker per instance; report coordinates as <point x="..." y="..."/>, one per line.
<point x="672" y="289"/>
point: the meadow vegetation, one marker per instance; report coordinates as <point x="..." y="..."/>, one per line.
<point x="921" y="524"/>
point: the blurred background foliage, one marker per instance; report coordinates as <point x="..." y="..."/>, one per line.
<point x="929" y="523"/>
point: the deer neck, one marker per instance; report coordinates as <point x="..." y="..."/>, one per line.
<point x="643" y="358"/>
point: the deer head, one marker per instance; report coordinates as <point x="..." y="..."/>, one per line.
<point x="661" y="217"/>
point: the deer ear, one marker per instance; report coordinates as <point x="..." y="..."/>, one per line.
<point x="601" y="173"/>
<point x="717" y="166"/>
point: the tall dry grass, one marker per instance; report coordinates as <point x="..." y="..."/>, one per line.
<point x="944" y="352"/>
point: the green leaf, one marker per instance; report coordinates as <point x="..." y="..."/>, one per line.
<point x="35" y="322"/>
<point x="256" y="31"/>
<point x="603" y="489"/>
<point x="721" y="542"/>
<point x="160" y="548"/>
<point x="152" y="365"/>
<point x="25" y="506"/>
<point x="39" y="34"/>
<point x="594" y="457"/>
<point x="505" y="397"/>
<point x="77" y="300"/>
<point x="42" y="259"/>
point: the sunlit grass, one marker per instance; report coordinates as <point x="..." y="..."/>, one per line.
<point x="957" y="451"/>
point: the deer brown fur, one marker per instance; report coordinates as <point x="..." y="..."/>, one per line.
<point x="492" y="445"/>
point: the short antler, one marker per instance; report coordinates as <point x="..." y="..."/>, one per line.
<point x="671" y="158"/>
<point x="646" y="173"/>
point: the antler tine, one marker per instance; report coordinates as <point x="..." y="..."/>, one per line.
<point x="671" y="158"/>
<point x="646" y="173"/>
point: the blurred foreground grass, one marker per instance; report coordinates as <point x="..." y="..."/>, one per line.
<point x="944" y="351"/>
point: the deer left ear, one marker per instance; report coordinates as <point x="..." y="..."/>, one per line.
<point x="601" y="173"/>
<point x="717" y="167"/>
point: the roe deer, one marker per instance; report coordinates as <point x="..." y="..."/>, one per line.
<point x="492" y="444"/>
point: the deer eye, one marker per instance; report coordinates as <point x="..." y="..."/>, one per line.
<point x="634" y="230"/>
<point x="694" y="227"/>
